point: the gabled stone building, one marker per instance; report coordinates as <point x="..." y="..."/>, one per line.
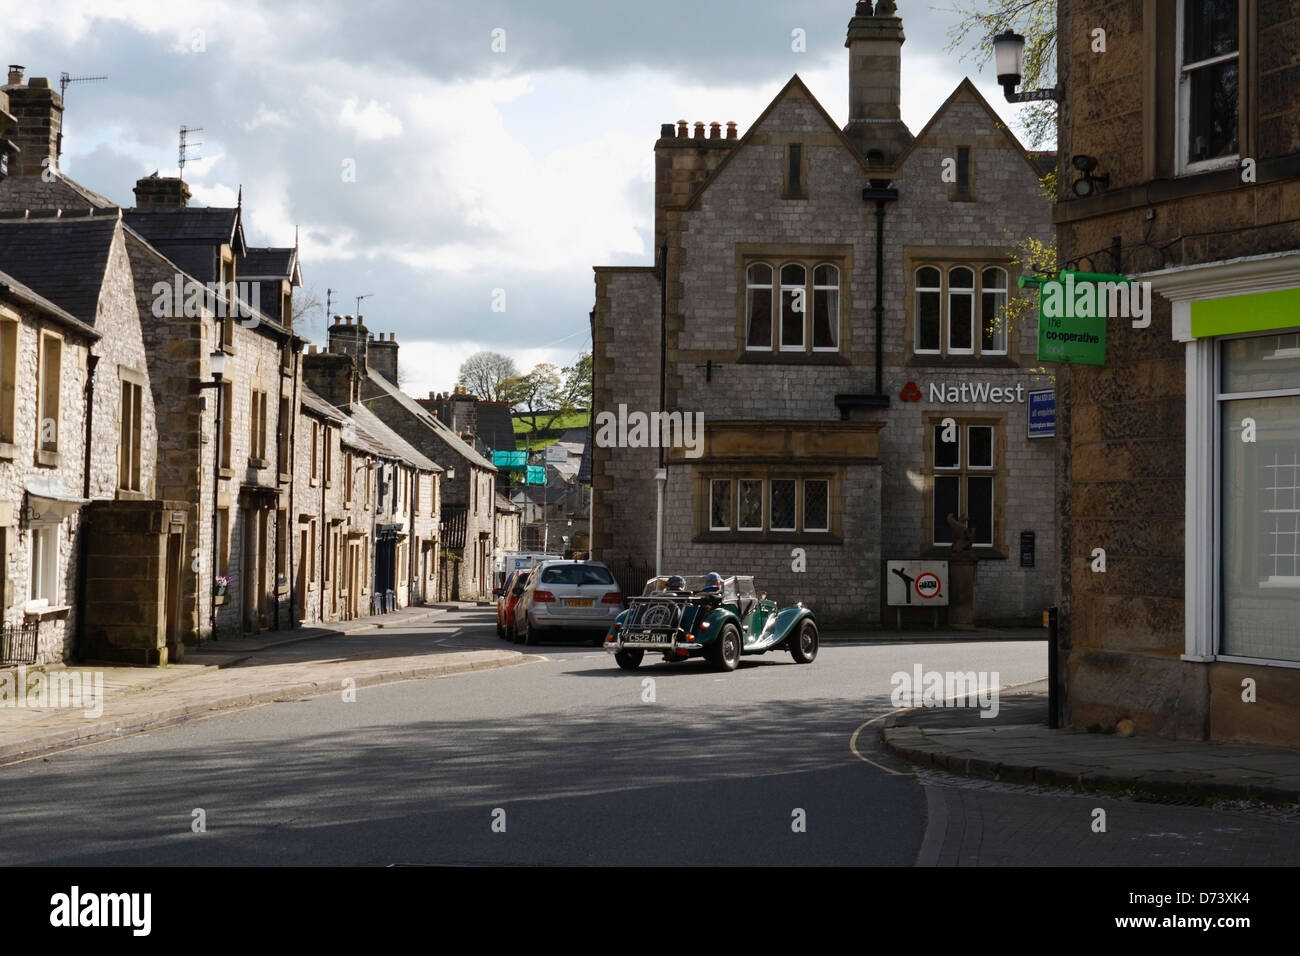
<point x="829" y="301"/>
<point x="1180" y="457"/>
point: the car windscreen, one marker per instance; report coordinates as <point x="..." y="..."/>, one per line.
<point x="577" y="574"/>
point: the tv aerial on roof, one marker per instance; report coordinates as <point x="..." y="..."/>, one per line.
<point x="65" y="80"/>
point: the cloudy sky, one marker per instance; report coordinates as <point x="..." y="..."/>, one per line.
<point x="476" y="169"/>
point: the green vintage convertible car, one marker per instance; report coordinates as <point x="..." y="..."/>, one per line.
<point x="719" y="625"/>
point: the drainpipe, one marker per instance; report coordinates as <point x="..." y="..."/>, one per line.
<point x="661" y="474"/>
<point x="82" y="536"/>
<point x="881" y="192"/>
<point x="291" y="523"/>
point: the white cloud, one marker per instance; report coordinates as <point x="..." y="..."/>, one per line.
<point x="371" y="122"/>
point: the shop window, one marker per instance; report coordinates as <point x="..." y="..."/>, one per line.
<point x="1208" y="85"/>
<point x="963" y="458"/>
<point x="1260" y="496"/>
<point x="959" y="310"/>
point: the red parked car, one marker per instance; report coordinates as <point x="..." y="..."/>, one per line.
<point x="506" y="601"/>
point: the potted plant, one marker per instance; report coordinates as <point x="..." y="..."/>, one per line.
<point x="221" y="583"/>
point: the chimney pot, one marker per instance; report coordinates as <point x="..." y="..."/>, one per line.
<point x="731" y="131"/>
<point x="699" y="131"/>
<point x="39" y="82"/>
<point x="683" y="130"/>
<point x="338" y="320"/>
<point x="715" y="131"/>
<point x="16" y="72"/>
<point x="666" y="130"/>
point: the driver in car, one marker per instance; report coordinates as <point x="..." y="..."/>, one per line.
<point x="676" y="586"/>
<point x="712" y="586"/>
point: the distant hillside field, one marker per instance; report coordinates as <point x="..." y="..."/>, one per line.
<point x="561" y="424"/>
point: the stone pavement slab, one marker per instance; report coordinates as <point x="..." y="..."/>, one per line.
<point x="223" y="675"/>
<point x="1017" y="746"/>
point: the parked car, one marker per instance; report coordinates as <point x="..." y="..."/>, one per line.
<point x="719" y="625"/>
<point x="506" y="599"/>
<point x="567" y="596"/>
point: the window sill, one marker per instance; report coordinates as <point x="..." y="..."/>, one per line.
<point x="962" y="361"/>
<point x="767" y="537"/>
<point x="258" y="463"/>
<point x="45" y="612"/>
<point x="940" y="553"/>
<point x="282" y="591"/>
<point x="285" y="478"/>
<point x="225" y="473"/>
<point x="49" y="459"/>
<point x="218" y="600"/>
<point x="8" y="451"/>
<point x="314" y="483"/>
<point x="756" y="357"/>
<point x="130" y="494"/>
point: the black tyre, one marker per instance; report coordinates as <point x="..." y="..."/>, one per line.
<point x="629" y="660"/>
<point x="724" y="653"/>
<point x="803" y="646"/>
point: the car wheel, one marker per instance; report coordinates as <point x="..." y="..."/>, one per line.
<point x="804" y="647"/>
<point x="526" y="636"/>
<point x="724" y="653"/>
<point x="629" y="660"/>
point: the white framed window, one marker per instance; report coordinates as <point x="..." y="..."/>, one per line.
<point x="961" y="311"/>
<point x="782" y="495"/>
<point x="993" y="303"/>
<point x="826" y="308"/>
<point x="758" y="307"/>
<point x="43" y="574"/>
<point x="962" y="483"/>
<point x="794" y="306"/>
<point x="929" y="310"/>
<point x="1258" y="506"/>
<point x="1208" y="54"/>
<point x="749" y="501"/>
<point x="720" y="513"/>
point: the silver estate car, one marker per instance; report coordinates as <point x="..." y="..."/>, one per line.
<point x="580" y="596"/>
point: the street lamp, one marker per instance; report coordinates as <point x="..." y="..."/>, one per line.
<point x="217" y="366"/>
<point x="1009" y="58"/>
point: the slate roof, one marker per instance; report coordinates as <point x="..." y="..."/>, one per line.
<point x="190" y="237"/>
<point x="11" y="287"/>
<point x="503" y="503"/>
<point x="63" y="260"/>
<point x="33" y="192"/>
<point x="269" y="263"/>
<point x="542" y="494"/>
<point x="393" y="444"/>
<point x="412" y="407"/>
<point x="315" y="405"/>
<point x="584" y="467"/>
<point x="495" y="426"/>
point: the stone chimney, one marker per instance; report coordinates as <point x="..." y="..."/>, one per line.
<point x="382" y="356"/>
<point x="348" y="336"/>
<point x="875" y="43"/>
<point x="161" y="192"/>
<point x="38" y="135"/>
<point x="464" y="413"/>
<point x="682" y="162"/>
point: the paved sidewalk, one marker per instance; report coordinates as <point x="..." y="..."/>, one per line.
<point x="941" y="635"/>
<point x="227" y="674"/>
<point x="1017" y="747"/>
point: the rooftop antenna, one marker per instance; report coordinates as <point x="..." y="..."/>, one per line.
<point x="186" y="145"/>
<point x="359" y="298"/>
<point x="65" y="80"/>
<point x="329" y="298"/>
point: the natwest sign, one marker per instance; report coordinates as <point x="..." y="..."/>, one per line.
<point x="975" y="393"/>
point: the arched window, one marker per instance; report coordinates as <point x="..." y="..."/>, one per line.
<point x="758" y="308"/>
<point x="826" y="308"/>
<point x="993" y="301"/>
<point x="928" y="309"/>
<point x="961" y="311"/>
<point x="794" y="308"/>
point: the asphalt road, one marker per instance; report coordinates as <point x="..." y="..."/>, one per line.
<point x="564" y="759"/>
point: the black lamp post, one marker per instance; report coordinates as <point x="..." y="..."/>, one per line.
<point x="1009" y="57"/>
<point x="217" y="366"/>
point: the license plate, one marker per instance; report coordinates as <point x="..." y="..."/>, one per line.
<point x="578" y="602"/>
<point x="642" y="639"/>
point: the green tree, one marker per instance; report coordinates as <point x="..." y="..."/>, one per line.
<point x="979" y="21"/>
<point x="540" y="395"/>
<point x="577" y="382"/>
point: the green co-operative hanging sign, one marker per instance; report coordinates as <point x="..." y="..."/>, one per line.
<point x="1072" y="314"/>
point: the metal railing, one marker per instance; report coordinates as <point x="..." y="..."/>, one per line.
<point x="18" y="643"/>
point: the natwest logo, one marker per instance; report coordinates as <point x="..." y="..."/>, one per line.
<point x="911" y="393"/>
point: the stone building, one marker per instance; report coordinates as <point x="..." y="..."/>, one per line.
<point x="467" y="484"/>
<point x="829" y="303"/>
<point x="1179" y="455"/>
